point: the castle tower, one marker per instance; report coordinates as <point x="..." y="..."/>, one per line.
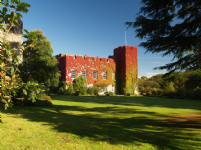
<point x="126" y="69"/>
<point x="15" y="36"/>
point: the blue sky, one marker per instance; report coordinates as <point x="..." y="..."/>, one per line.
<point x="91" y="27"/>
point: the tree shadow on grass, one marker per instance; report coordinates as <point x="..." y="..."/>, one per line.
<point x="135" y="101"/>
<point x="106" y="125"/>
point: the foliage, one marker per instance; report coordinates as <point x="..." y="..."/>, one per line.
<point x="110" y="93"/>
<point x="70" y="90"/>
<point x="44" y="100"/>
<point x="101" y="86"/>
<point x="96" y="90"/>
<point x="156" y="23"/>
<point x="144" y="77"/>
<point x="79" y="85"/>
<point x="60" y="91"/>
<point x="90" y="90"/>
<point x="126" y="69"/>
<point x="10" y="82"/>
<point x="194" y="80"/>
<point x="196" y="94"/>
<point x="144" y="94"/>
<point x="128" y="90"/>
<point x="93" y="90"/>
<point x="30" y="90"/>
<point x="180" y="85"/>
<point x="156" y="81"/>
<point x="39" y="63"/>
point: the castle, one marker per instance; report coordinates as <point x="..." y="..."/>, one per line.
<point x="119" y="72"/>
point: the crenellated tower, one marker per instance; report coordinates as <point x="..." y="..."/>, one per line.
<point x="126" y="69"/>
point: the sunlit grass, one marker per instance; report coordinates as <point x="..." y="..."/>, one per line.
<point x="104" y="123"/>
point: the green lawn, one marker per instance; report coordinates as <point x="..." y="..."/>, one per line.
<point x="104" y="123"/>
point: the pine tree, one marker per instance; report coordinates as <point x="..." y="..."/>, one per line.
<point x="171" y="27"/>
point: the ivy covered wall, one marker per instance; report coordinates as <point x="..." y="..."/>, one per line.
<point x="123" y="63"/>
<point x="126" y="69"/>
<point x="88" y="63"/>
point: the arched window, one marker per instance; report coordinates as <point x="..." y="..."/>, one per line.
<point x="73" y="73"/>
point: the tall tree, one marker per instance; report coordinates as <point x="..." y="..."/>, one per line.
<point x="171" y="27"/>
<point x="38" y="62"/>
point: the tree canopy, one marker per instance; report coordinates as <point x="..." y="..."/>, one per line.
<point x="38" y="62"/>
<point x="171" y="27"/>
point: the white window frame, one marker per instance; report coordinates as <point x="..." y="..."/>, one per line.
<point x="84" y="74"/>
<point x="73" y="73"/>
<point x="105" y="75"/>
<point x="95" y="75"/>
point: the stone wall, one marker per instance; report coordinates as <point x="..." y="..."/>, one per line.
<point x="15" y="37"/>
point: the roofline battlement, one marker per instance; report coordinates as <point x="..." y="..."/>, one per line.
<point x="85" y="57"/>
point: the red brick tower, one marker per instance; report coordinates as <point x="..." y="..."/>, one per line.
<point x="126" y="69"/>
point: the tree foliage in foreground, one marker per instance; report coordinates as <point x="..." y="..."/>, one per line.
<point x="171" y="27"/>
<point x="38" y="62"/>
<point x="10" y="82"/>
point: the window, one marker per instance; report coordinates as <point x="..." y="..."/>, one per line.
<point x="84" y="73"/>
<point x="95" y="75"/>
<point x="104" y="75"/>
<point x="73" y="73"/>
<point x="113" y="75"/>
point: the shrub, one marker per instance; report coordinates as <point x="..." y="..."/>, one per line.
<point x="44" y="100"/>
<point x="196" y="94"/>
<point x="110" y="93"/>
<point x="144" y="94"/>
<point x="101" y="86"/>
<point x="93" y="90"/>
<point x="60" y="91"/>
<point x="83" y="91"/>
<point x="181" y="93"/>
<point x="55" y="89"/>
<point x="79" y="83"/>
<point x="96" y="90"/>
<point x="127" y="94"/>
<point x="69" y="91"/>
<point x="90" y="90"/>
<point x="148" y="89"/>
<point x="154" y="92"/>
<point x="149" y="93"/>
<point x="159" y="92"/>
<point x="47" y="91"/>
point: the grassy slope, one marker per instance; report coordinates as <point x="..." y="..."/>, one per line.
<point x="104" y="123"/>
